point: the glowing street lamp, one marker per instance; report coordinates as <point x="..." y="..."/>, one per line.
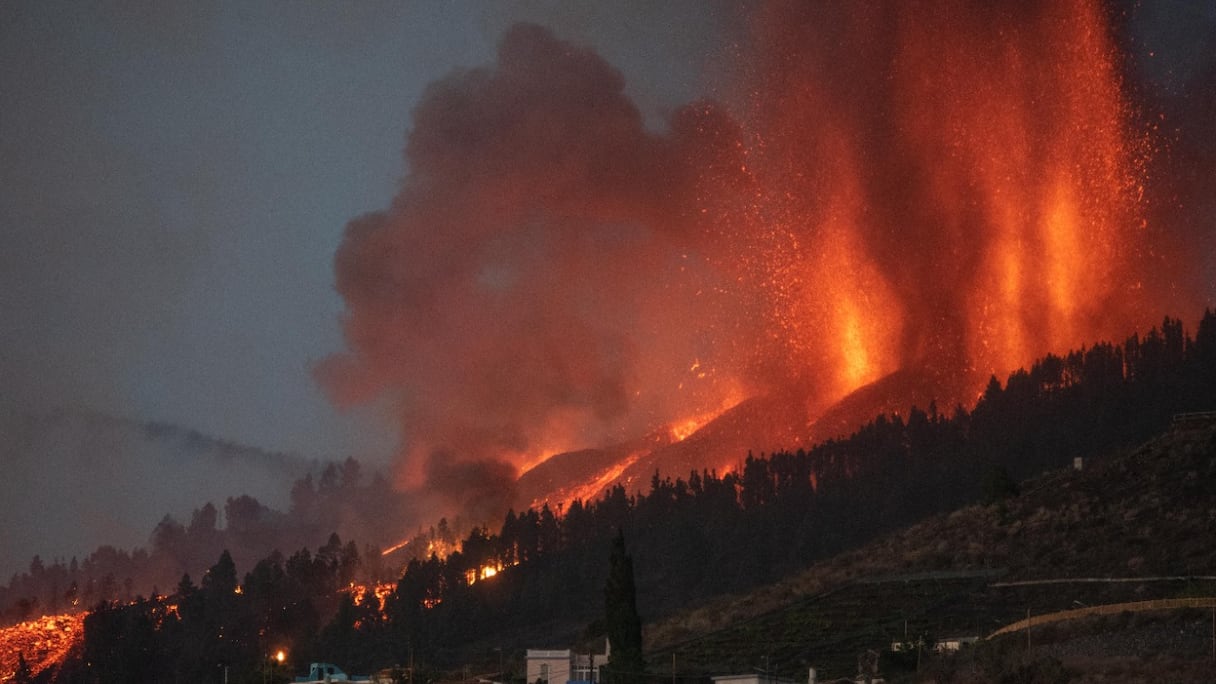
<point x="273" y="660"/>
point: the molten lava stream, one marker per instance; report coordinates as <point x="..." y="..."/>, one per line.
<point x="44" y="642"/>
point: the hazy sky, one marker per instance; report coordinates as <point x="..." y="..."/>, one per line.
<point x="175" y="179"/>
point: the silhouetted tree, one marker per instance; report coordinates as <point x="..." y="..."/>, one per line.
<point x="625" y="663"/>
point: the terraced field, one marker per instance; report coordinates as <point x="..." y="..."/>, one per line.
<point x="828" y="631"/>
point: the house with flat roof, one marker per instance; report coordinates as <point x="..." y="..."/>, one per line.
<point x="753" y="678"/>
<point x="565" y="666"/>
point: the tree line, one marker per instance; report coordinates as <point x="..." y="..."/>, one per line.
<point x="692" y="537"/>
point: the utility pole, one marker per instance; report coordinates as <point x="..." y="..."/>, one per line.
<point x="673" y="667"/>
<point x="1028" y="630"/>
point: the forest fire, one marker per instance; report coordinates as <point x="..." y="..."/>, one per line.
<point x="484" y="572"/>
<point x="381" y="591"/>
<point x="44" y="643"/>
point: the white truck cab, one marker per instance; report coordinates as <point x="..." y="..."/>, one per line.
<point x="324" y="673"/>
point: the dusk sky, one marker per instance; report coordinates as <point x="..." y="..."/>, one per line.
<point x="176" y="179"/>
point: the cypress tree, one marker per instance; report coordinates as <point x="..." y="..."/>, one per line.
<point x="625" y="664"/>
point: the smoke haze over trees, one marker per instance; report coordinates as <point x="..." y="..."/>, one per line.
<point x="692" y="537"/>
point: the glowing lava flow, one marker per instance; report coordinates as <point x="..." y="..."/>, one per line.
<point x="44" y="642"/>
<point x="590" y="490"/>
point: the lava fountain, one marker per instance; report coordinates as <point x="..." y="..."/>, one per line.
<point x="946" y="188"/>
<point x="941" y="185"/>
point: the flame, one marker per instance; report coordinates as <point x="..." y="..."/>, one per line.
<point x="381" y="591"/>
<point x="485" y="572"/>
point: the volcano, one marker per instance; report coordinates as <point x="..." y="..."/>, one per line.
<point x="778" y="421"/>
<point x="884" y="207"/>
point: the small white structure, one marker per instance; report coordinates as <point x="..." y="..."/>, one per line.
<point x="564" y="666"/>
<point x="549" y="666"/>
<point x="954" y="643"/>
<point x="754" y="678"/>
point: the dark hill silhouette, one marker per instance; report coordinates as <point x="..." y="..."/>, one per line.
<point x="1128" y="527"/>
<point x="108" y="480"/>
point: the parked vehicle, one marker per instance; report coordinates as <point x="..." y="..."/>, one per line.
<point x="324" y="673"/>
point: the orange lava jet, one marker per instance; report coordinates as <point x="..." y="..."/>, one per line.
<point x="948" y="186"/>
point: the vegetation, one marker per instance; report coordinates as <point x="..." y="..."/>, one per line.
<point x="703" y="536"/>
<point x="624" y="625"/>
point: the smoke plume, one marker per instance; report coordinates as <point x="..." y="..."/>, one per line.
<point x="950" y="187"/>
<point x="534" y="284"/>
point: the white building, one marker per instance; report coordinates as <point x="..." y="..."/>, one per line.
<point x="564" y="666"/>
<point x="755" y="678"/>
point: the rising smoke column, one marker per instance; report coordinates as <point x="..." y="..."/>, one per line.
<point x="535" y="284"/>
<point x="948" y="188"/>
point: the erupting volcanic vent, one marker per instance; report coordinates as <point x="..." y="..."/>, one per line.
<point x="944" y="189"/>
<point x="947" y="186"/>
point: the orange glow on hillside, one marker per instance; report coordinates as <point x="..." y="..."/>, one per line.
<point x="683" y="429"/>
<point x="485" y="572"/>
<point x="591" y="490"/>
<point x="381" y="591"/>
<point x="395" y="547"/>
<point x="44" y="642"/>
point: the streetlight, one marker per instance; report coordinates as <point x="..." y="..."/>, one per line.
<point x="272" y="660"/>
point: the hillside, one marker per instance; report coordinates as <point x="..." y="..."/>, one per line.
<point x="1142" y="514"/>
<point x="827" y="519"/>
<point x="782" y="419"/>
<point x="107" y="480"/>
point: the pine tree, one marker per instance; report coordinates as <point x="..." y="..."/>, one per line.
<point x="625" y="664"/>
